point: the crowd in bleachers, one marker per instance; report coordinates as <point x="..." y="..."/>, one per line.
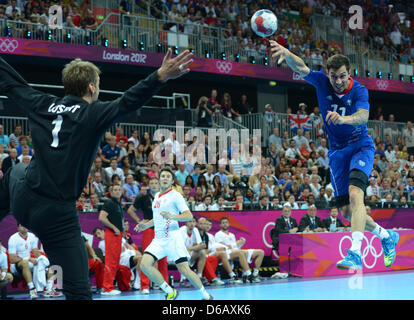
<point x="292" y="168"/>
<point x="382" y="26"/>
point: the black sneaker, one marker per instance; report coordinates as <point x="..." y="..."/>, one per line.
<point x="254" y="279"/>
<point x="235" y="280"/>
<point x="245" y="278"/>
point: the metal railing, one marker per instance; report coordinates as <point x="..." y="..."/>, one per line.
<point x="282" y="121"/>
<point x="250" y="121"/>
<point x="363" y="52"/>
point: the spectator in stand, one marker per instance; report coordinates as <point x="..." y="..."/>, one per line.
<point x="388" y="203"/>
<point x="22" y="143"/>
<point x="205" y="205"/>
<point x="275" y="139"/>
<point x="304" y="150"/>
<point x="97" y="167"/>
<point x="10" y="161"/>
<point x="110" y="151"/>
<point x="114" y="170"/>
<point x="243" y="107"/>
<point x="408" y="137"/>
<point x="219" y="205"/>
<point x="386" y="188"/>
<point x="17" y="132"/>
<point x="89" y="188"/>
<point x="90" y="23"/>
<point x="293" y="154"/>
<point x="94" y="202"/>
<point x="13" y="6"/>
<point x="299" y="138"/>
<point x="4" y="138"/>
<point x="204" y="113"/>
<point x="212" y="102"/>
<point x="134" y="138"/>
<point x="240" y="205"/>
<point x="311" y="222"/>
<point x="302" y="109"/>
<point x="263" y="204"/>
<point x="373" y="189"/>
<point x="332" y="222"/>
<point x="25" y="153"/>
<point x="226" y="107"/>
<point x="409" y="188"/>
<point x="130" y="189"/>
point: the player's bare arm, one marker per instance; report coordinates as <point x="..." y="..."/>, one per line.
<point x="183" y="217"/>
<point x="143" y="225"/>
<point x="293" y="61"/>
<point x="358" y="118"/>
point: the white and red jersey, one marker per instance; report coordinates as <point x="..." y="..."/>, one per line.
<point x="21" y="246"/>
<point x="213" y="244"/>
<point x="190" y="239"/>
<point x="170" y="201"/>
<point x="101" y="246"/>
<point x="3" y="261"/>
<point x="227" y="238"/>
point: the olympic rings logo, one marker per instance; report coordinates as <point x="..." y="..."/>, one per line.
<point x="369" y="249"/>
<point x="224" y="66"/>
<point x="382" y="84"/>
<point x="8" y="45"/>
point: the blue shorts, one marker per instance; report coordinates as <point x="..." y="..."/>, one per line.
<point x="358" y="155"/>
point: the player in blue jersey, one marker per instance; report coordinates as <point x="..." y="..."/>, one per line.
<point x="345" y="109"/>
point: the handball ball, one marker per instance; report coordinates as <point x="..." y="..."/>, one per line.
<point x="264" y="23"/>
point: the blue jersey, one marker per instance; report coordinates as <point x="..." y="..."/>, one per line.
<point x="347" y="103"/>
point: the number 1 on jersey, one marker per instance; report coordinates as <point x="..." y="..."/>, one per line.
<point x="55" y="132"/>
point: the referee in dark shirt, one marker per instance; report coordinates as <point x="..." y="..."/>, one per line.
<point x="144" y="203"/>
<point x="66" y="133"/>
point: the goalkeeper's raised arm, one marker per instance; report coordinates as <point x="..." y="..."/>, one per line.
<point x="293" y="61"/>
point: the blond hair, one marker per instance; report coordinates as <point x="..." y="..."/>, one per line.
<point x="77" y="75"/>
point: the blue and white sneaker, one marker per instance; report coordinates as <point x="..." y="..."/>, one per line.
<point x="388" y="245"/>
<point x="352" y="261"/>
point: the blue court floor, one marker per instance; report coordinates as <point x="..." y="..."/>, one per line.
<point x="375" y="286"/>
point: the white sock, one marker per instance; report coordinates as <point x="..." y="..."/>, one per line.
<point x="247" y="273"/>
<point x="166" y="288"/>
<point x="30" y="285"/>
<point x="255" y="272"/>
<point x="357" y="242"/>
<point x="380" y="232"/>
<point x="232" y="274"/>
<point x="204" y="293"/>
<point x="49" y="285"/>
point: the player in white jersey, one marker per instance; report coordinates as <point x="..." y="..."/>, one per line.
<point x="229" y="239"/>
<point x="100" y="235"/>
<point x="131" y="259"/>
<point x="168" y="208"/>
<point x="195" y="247"/>
<point x="20" y="246"/>
<point x="5" y="277"/>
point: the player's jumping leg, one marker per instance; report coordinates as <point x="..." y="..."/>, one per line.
<point x="359" y="218"/>
<point x="389" y="238"/>
<point x="184" y="268"/>
<point x="147" y="267"/>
